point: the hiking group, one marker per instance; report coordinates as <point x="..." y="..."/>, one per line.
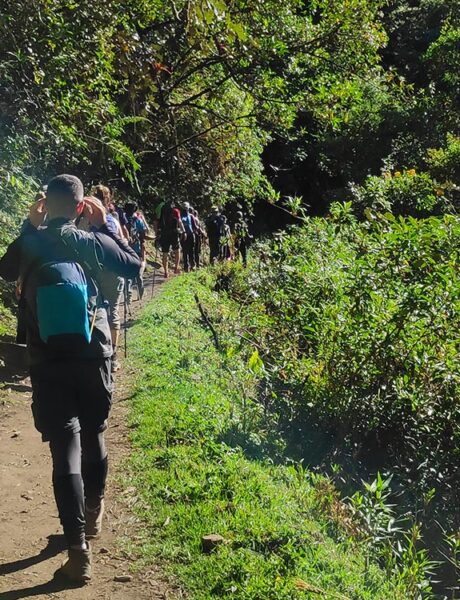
<point x="75" y="261"/>
<point x="182" y="229"/>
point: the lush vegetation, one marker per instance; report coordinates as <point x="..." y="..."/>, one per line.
<point x="195" y="472"/>
<point x="210" y="99"/>
<point x="355" y="329"/>
<point x="218" y="101"/>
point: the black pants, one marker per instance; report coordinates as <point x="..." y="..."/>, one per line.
<point x="79" y="476"/>
<point x="197" y="250"/>
<point x="214" y="248"/>
<point x="242" y="248"/>
<point x="188" y="251"/>
<point x="71" y="402"/>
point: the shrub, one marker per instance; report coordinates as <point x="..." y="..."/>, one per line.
<point x="357" y="327"/>
<point x="444" y="163"/>
<point x="405" y="193"/>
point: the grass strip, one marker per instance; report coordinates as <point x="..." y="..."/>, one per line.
<point x="276" y="542"/>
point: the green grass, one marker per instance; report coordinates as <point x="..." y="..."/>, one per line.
<point x="191" y="483"/>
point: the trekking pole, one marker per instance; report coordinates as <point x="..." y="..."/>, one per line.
<point x="126" y="316"/>
<point x="128" y="301"/>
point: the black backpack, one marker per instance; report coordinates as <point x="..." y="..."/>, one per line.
<point x="168" y="220"/>
<point x="133" y="231"/>
<point x="215" y="226"/>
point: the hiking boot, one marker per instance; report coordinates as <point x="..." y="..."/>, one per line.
<point x="115" y="365"/>
<point x="93" y="521"/>
<point x="77" y="567"/>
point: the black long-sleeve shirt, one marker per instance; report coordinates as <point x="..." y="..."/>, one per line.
<point x="60" y="240"/>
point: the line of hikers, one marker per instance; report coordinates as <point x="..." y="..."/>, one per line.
<point x="75" y="258"/>
<point x="178" y="229"/>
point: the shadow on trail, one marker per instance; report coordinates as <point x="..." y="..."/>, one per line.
<point x="51" y="587"/>
<point x="13" y="362"/>
<point x="56" y="544"/>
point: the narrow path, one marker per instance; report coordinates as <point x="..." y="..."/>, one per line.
<point x="31" y="544"/>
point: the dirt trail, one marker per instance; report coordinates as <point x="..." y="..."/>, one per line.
<point x="31" y="544"/>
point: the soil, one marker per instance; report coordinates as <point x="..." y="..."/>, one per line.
<point x="31" y="543"/>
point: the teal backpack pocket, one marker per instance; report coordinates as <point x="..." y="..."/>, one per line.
<point x="61" y="294"/>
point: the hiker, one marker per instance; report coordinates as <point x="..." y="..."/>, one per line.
<point x="188" y="239"/>
<point x="214" y="228"/>
<point x="170" y="231"/>
<point x="118" y="212"/>
<point x="137" y="230"/>
<point x="111" y="285"/>
<point x="242" y="237"/>
<point x="225" y="252"/>
<point x="69" y="349"/>
<point x="200" y="236"/>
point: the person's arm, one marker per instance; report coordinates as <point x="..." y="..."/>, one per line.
<point x="10" y="263"/>
<point x="179" y="222"/>
<point x="195" y="227"/>
<point x="103" y="249"/>
<point x="116" y="255"/>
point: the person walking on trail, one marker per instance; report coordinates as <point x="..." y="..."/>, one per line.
<point x="225" y="252"/>
<point x="137" y="230"/>
<point x="199" y="237"/>
<point x="215" y="229"/>
<point x="170" y="231"/>
<point x="122" y="219"/>
<point x="70" y="349"/>
<point x="111" y="285"/>
<point x="242" y="237"/>
<point x="188" y="240"/>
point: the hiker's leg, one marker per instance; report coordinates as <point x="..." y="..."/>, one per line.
<point x="214" y="247"/>
<point x="56" y="417"/>
<point x="184" y="255"/>
<point x="176" y="259"/>
<point x="114" y="296"/>
<point x="68" y="486"/>
<point x="191" y="250"/>
<point x="197" y="251"/>
<point x="94" y="466"/>
<point x="129" y="290"/>
<point x="140" y="280"/>
<point x="165" y="262"/>
<point x="94" y="402"/>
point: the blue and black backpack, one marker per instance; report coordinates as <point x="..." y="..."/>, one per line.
<point x="62" y="300"/>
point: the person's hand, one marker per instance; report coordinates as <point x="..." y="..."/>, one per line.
<point x="37" y="213"/>
<point x="94" y="212"/>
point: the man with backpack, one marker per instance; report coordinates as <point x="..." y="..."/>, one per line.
<point x="137" y="230"/>
<point x="215" y="227"/>
<point x="111" y="285"/>
<point x="170" y="231"/>
<point x="70" y="349"/>
<point x="189" y="238"/>
<point x="200" y="235"/>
